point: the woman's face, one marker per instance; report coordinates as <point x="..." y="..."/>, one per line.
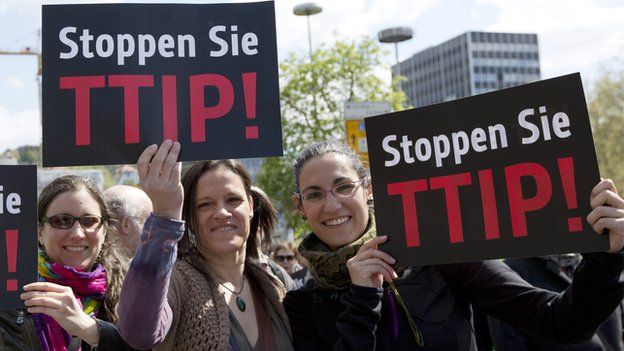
<point x="223" y="212"/>
<point x="285" y="258"/>
<point x="76" y="247"/>
<point x="337" y="221"/>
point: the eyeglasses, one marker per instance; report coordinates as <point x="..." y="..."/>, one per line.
<point x="341" y="190"/>
<point x="284" y="258"/>
<point x="65" y="221"/>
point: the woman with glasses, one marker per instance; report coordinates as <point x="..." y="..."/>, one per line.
<point x="72" y="306"/>
<point x="194" y="283"/>
<point x="285" y="254"/>
<point x="358" y="300"/>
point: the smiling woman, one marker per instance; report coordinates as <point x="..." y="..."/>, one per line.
<point x="80" y="270"/>
<point x="358" y="299"/>
<point x="212" y="286"/>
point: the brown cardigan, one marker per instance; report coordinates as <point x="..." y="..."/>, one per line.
<point x="200" y="314"/>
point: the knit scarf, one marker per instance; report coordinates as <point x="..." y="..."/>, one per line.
<point x="329" y="268"/>
<point x="88" y="287"/>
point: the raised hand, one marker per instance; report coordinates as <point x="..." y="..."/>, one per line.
<point x="59" y="302"/>
<point x="159" y="174"/>
<point x="370" y="266"/>
<point x="608" y="213"/>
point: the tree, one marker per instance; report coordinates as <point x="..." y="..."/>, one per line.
<point x="312" y="97"/>
<point x="606" y="111"/>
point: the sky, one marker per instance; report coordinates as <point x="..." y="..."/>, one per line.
<point x="584" y="36"/>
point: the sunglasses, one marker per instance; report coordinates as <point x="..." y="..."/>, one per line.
<point x="285" y="258"/>
<point x="65" y="221"/>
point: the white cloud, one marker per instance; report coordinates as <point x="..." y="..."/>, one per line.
<point x="14" y="83"/>
<point x="574" y="35"/>
<point x="350" y="19"/>
<point x="19" y="128"/>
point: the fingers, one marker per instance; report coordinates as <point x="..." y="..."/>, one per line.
<point x="377" y="266"/>
<point x="374" y="253"/>
<point x="373" y="243"/>
<point x="156" y="161"/>
<point x="607" y="197"/>
<point x="52" y="302"/>
<point x="605" y="184"/>
<point x="604" y="212"/>
<point x="45" y="286"/>
<point x="144" y="160"/>
<point x="614" y="225"/>
<point x="172" y="166"/>
<point x="370" y="266"/>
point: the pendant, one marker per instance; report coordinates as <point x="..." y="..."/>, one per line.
<point x="240" y="303"/>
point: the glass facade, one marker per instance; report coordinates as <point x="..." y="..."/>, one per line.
<point x="472" y="63"/>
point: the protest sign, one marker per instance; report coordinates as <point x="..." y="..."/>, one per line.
<point x="18" y="232"/>
<point x="502" y="174"/>
<point x="119" y="77"/>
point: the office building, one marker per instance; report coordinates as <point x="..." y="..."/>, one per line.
<point x="469" y="64"/>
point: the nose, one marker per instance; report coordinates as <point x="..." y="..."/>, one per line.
<point x="76" y="231"/>
<point x="222" y="212"/>
<point x="331" y="202"/>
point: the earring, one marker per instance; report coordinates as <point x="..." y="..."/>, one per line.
<point x="192" y="239"/>
<point x="304" y="217"/>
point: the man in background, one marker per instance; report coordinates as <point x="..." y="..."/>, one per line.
<point x="131" y="207"/>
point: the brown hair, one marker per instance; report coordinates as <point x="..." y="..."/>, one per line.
<point x="115" y="263"/>
<point x="264" y="218"/>
<point x="320" y="148"/>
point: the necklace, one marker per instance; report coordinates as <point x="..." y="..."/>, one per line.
<point x="240" y="302"/>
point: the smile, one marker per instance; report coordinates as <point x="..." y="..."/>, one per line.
<point x="224" y="228"/>
<point x="337" y="221"/>
<point x="75" y="248"/>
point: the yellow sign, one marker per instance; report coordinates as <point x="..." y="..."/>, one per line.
<point x="355" y="112"/>
<point x="356" y="138"/>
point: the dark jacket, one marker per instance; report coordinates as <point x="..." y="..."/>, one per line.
<point x="18" y="333"/>
<point x="438" y="299"/>
<point x="547" y="275"/>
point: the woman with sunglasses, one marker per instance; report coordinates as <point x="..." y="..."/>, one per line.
<point x="285" y="254"/>
<point x="357" y="300"/>
<point x="194" y="283"/>
<point x="72" y="307"/>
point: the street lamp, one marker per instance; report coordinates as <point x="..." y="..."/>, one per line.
<point x="395" y="35"/>
<point x="307" y="9"/>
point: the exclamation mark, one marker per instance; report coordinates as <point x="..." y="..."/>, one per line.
<point x="249" y="91"/>
<point x="566" y="171"/>
<point x="11" y="250"/>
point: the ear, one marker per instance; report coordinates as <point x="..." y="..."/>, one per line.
<point x="369" y="190"/>
<point x="124" y="225"/>
<point x="251" y="207"/>
<point x="40" y="234"/>
<point x="298" y="205"/>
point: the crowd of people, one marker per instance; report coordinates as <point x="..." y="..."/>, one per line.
<point x="187" y="263"/>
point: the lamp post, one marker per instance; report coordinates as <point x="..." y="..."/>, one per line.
<point x="308" y="9"/>
<point x="395" y="35"/>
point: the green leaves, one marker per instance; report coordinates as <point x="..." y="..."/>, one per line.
<point x="313" y="93"/>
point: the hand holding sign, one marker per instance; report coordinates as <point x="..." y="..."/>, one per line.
<point x="159" y="174"/>
<point x="59" y="302"/>
<point x="608" y="213"/>
<point x="370" y="266"/>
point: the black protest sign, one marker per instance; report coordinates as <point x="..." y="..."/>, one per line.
<point x="18" y="232"/>
<point x="503" y="174"/>
<point x="119" y="77"/>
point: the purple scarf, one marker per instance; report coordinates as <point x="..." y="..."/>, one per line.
<point x="89" y="288"/>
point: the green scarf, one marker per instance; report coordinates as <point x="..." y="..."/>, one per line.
<point x="329" y="268"/>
